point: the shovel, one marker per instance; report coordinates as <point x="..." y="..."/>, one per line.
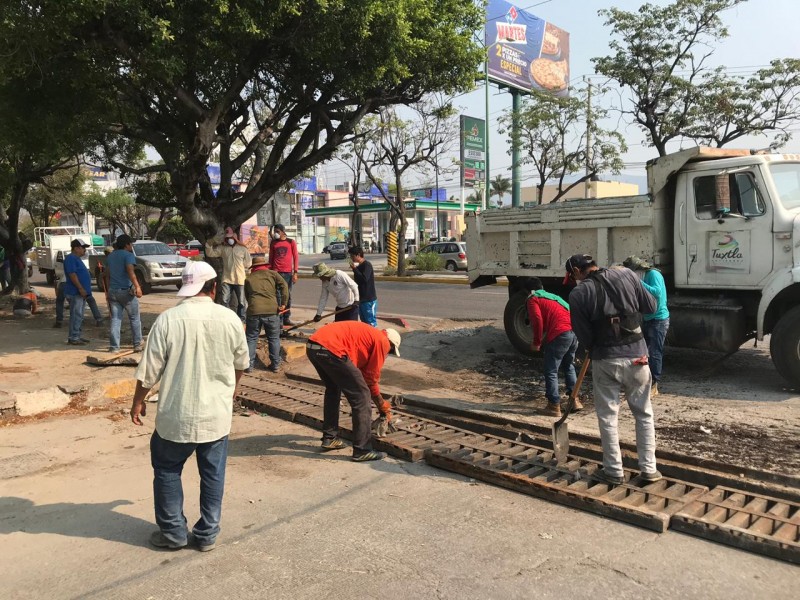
<point x="304" y="323"/>
<point x="560" y="429"/>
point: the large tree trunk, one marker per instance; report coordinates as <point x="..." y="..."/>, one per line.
<point x="9" y="237"/>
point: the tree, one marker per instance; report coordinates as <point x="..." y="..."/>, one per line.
<point x="118" y="208"/>
<point x="272" y="92"/>
<point x="175" y="231"/>
<point x="500" y="187"/>
<point x="61" y="192"/>
<point x="402" y="146"/>
<point x="153" y="191"/>
<point x="660" y="55"/>
<point x="552" y="137"/>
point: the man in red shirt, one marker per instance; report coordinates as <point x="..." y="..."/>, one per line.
<point x="283" y="259"/>
<point x="550" y="320"/>
<point x="349" y="356"/>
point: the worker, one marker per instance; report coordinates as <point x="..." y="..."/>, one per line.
<point x="348" y="357"/>
<point x="344" y="290"/>
<point x="197" y="350"/>
<point x="284" y="260"/>
<point x="654" y="325"/>
<point x="364" y="276"/>
<point x="77" y="288"/>
<point x="25" y="305"/>
<point x="123" y="292"/>
<point x="551" y="326"/>
<point x="606" y="315"/>
<point x="235" y="262"/>
<point x="266" y="292"/>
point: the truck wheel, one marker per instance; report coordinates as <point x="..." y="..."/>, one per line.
<point x="516" y="323"/>
<point x="784" y="346"/>
<point x="51" y="278"/>
<point x="146" y="287"/>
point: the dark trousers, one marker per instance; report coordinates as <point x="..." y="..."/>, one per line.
<point x="340" y="375"/>
<point x="348" y="315"/>
<point x="287" y="277"/>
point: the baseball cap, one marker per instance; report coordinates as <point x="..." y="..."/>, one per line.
<point x="576" y="261"/>
<point x="78" y="244"/>
<point x="395" y="340"/>
<point x="195" y="274"/>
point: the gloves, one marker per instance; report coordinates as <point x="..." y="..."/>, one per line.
<point x="384" y="425"/>
<point x="317" y="318"/>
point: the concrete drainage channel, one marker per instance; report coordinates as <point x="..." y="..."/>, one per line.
<point x="723" y="508"/>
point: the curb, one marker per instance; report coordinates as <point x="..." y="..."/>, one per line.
<point x="418" y="279"/>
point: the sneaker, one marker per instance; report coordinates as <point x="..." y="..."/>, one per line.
<point x="371" y="455"/>
<point x="158" y="540"/>
<point x="551" y="410"/>
<point x="57" y="324"/>
<point x="289" y="323"/>
<point x="651" y="477"/>
<point x="272" y="369"/>
<point x="113" y="350"/>
<point x="248" y="370"/>
<point x="138" y="348"/>
<point x="654" y="390"/>
<point x="207" y="547"/>
<point x="80" y="342"/>
<point x="333" y="444"/>
<point x="601" y="475"/>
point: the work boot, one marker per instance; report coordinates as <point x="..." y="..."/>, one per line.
<point x="158" y="540"/>
<point x="57" y="324"/>
<point x="552" y="410"/>
<point x="654" y="390"/>
<point x="577" y="405"/>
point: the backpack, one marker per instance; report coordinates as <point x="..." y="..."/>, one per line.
<point x="619" y="329"/>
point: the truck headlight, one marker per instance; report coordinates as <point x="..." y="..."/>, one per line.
<point x="153" y="265"/>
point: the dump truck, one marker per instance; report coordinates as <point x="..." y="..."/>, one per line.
<point x="723" y="227"/>
<point x="52" y="245"/>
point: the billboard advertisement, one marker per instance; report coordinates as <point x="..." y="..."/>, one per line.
<point x="473" y="151"/>
<point x="256" y="238"/>
<point x="526" y="52"/>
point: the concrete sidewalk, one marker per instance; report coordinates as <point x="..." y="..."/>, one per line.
<point x="76" y="512"/>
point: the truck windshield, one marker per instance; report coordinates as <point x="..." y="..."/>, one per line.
<point x="152" y="249"/>
<point x="787" y="181"/>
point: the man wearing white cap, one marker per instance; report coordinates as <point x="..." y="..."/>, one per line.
<point x="348" y="357"/>
<point x="198" y="351"/>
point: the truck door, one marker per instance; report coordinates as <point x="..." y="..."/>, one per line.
<point x="732" y="248"/>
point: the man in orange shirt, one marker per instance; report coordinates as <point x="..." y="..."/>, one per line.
<point x="349" y="356"/>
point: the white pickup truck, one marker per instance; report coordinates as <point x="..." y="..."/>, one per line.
<point x="723" y="226"/>
<point x="52" y="246"/>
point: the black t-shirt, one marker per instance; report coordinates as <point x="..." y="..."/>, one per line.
<point x="365" y="279"/>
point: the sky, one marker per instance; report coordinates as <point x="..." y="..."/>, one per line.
<point x="760" y="30"/>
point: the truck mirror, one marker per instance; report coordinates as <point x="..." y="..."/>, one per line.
<point x="722" y="193"/>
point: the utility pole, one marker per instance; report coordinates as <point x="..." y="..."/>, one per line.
<point x="436" y="190"/>
<point x="486" y="133"/>
<point x="516" y="190"/>
<point x="588" y="134"/>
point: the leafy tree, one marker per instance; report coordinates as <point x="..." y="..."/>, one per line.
<point x="552" y="136"/>
<point x="271" y="90"/>
<point x="153" y="191"/>
<point x="500" y="187"/>
<point x="61" y="192"/>
<point x="118" y="208"/>
<point x="175" y="230"/>
<point x="660" y="55"/>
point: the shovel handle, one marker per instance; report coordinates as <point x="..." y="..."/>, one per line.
<point x="576" y="390"/>
<point x="330" y="314"/>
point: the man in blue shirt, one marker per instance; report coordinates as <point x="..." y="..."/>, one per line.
<point x="123" y="292"/>
<point x="654" y="325"/>
<point x="77" y="287"/>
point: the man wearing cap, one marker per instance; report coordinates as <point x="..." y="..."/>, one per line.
<point x="197" y="350"/>
<point x="606" y="308"/>
<point x="348" y="357"/>
<point x="344" y="290"/>
<point x="235" y="262"/>
<point x="284" y="260"/>
<point x="77" y="288"/>
<point x="123" y="293"/>
<point x="266" y="293"/>
<point x="655" y="325"/>
<point x="364" y="276"/>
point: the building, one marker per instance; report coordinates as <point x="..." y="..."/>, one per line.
<point x="596" y="189"/>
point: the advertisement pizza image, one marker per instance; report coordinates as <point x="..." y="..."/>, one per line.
<point x="550" y="75"/>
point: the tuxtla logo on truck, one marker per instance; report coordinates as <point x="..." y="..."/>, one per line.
<point x="727" y="252"/>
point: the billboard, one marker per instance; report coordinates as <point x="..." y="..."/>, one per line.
<point x="256" y="238"/>
<point x="473" y="151"/>
<point x="303" y="184"/>
<point x="526" y="52"/>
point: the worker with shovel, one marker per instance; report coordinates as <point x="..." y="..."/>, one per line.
<point x="606" y="310"/>
<point x="344" y="290"/>
<point x="348" y="357"/>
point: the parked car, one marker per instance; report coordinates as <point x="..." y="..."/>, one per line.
<point x="156" y="265"/>
<point x="337" y="250"/>
<point x="184" y="250"/>
<point x="454" y="254"/>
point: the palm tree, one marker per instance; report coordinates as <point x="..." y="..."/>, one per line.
<point x="500" y="186"/>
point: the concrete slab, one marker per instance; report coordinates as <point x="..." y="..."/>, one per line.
<point x="39" y="401"/>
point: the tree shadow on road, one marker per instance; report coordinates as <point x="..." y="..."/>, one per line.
<point x="74" y="520"/>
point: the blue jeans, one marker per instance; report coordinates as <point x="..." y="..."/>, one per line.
<point x="238" y="291"/>
<point x="168" y="459"/>
<point x="122" y="300"/>
<point x="655" y="332"/>
<point x="368" y="311"/>
<point x="60" y="299"/>
<point x="76" y="306"/>
<point x="559" y="354"/>
<point x="287" y="302"/>
<point x="272" y="325"/>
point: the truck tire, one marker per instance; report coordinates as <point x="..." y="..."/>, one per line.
<point x="146" y="287"/>
<point x="784" y="346"/>
<point x="50" y="276"/>
<point x="516" y="323"/>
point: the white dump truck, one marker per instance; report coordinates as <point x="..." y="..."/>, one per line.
<point x="723" y="226"/>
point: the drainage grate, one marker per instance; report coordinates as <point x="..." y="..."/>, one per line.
<point x="750" y="521"/>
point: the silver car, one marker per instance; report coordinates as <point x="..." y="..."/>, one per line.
<point x="337" y="250"/>
<point x="454" y="254"/>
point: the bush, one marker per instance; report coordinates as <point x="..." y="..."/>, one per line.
<point x="428" y="261"/>
<point x="390" y="271"/>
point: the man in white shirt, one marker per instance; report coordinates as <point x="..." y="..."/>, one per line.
<point x="344" y="290"/>
<point x="235" y="262"/>
<point x="198" y="351"/>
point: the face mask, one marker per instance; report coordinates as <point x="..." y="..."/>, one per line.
<point x="230" y="241"/>
<point x="277" y="236"/>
